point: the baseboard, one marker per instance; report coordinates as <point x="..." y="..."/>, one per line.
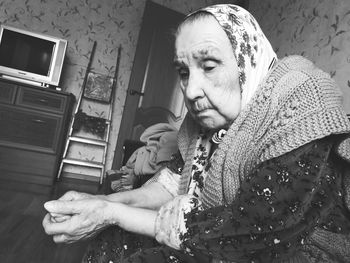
<point x="8" y="184"/>
<point x="22" y="177"/>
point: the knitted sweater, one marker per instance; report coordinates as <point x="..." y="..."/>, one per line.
<point x="296" y="104"/>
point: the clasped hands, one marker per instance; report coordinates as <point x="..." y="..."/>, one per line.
<point x="76" y="216"/>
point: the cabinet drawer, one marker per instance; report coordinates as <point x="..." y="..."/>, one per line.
<point x="38" y="99"/>
<point x="29" y="129"/>
<point x="7" y="92"/>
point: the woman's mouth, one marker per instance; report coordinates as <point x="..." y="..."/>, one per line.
<point x="200" y="112"/>
<point x="198" y="107"/>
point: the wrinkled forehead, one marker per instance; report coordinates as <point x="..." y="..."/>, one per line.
<point x="202" y="37"/>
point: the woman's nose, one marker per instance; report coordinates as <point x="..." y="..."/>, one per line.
<point x="194" y="86"/>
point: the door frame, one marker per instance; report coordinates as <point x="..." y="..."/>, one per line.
<point x="154" y="15"/>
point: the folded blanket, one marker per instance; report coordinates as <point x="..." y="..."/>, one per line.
<point x="161" y="144"/>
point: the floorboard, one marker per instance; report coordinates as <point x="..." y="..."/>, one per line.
<point x="22" y="238"/>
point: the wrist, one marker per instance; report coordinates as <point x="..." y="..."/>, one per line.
<point x="112" y="212"/>
<point x="102" y="197"/>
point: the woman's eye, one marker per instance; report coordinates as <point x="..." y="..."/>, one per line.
<point x="183" y="73"/>
<point x="207" y="69"/>
<point x="209" y="66"/>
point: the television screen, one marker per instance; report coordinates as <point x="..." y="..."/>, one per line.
<point x="26" y="53"/>
<point x="31" y="58"/>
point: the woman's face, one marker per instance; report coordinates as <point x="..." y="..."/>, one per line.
<point x="208" y="73"/>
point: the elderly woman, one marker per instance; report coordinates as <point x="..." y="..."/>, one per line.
<point x="262" y="178"/>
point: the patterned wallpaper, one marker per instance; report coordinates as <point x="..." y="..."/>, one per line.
<point x="109" y="22"/>
<point x="316" y="29"/>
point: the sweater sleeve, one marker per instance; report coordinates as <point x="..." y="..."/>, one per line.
<point x="278" y="204"/>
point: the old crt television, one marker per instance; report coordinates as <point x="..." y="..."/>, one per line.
<point x="29" y="57"/>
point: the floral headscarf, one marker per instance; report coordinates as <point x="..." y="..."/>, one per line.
<point x="253" y="52"/>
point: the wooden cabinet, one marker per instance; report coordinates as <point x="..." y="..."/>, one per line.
<point x="33" y="127"/>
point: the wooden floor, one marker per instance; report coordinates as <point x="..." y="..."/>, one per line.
<point x="22" y="238"/>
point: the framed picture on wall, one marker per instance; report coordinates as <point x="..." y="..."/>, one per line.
<point x="98" y="87"/>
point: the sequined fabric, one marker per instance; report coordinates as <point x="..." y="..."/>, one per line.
<point x="278" y="208"/>
<point x="170" y="223"/>
<point x="199" y="164"/>
<point x="114" y="245"/>
<point x="170" y="177"/>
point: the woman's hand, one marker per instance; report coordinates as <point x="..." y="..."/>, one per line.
<point x="74" y="195"/>
<point x="77" y="216"/>
<point x="87" y="217"/>
<point x="70" y="196"/>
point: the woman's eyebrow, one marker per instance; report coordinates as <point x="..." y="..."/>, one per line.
<point x="178" y="63"/>
<point x="202" y="54"/>
<point x="205" y="53"/>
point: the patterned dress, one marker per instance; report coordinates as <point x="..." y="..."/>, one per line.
<point x="280" y="203"/>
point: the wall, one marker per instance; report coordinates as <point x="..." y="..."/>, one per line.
<point x="316" y="29"/>
<point x="109" y="22"/>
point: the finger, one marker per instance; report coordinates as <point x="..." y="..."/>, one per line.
<point x="58" y="228"/>
<point x="56" y="215"/>
<point x="46" y="221"/>
<point x="60" y="219"/>
<point x="68" y="196"/>
<point x="61" y="238"/>
<point x="52" y="219"/>
<point x="55" y="228"/>
<point x="63" y="207"/>
<point x="74" y="195"/>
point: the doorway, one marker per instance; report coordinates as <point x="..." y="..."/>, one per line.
<point x="152" y="95"/>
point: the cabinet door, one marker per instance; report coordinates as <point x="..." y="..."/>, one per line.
<point x="7" y="92"/>
<point x="29" y="129"/>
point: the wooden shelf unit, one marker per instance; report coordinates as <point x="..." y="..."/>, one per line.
<point x="33" y="127"/>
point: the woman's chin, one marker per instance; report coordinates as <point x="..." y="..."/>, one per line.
<point x="210" y="121"/>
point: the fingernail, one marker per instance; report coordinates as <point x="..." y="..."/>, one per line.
<point x="48" y="205"/>
<point x="55" y="214"/>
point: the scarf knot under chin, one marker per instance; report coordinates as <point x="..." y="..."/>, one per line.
<point x="296" y="104"/>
